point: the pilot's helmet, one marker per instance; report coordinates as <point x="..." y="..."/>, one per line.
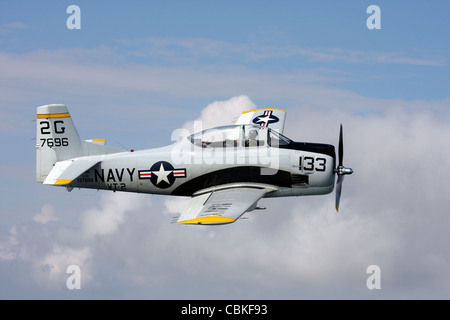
<point x="253" y="134"/>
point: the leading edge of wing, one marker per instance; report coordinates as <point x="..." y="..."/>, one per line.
<point x="220" y="206"/>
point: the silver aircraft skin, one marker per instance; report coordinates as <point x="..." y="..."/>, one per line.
<point x="224" y="170"/>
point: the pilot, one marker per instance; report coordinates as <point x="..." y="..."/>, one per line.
<point x="252" y="138"/>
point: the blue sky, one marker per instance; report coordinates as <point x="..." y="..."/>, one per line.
<point x="138" y="70"/>
<point x="257" y="35"/>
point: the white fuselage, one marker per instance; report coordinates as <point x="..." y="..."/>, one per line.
<point x="185" y="168"/>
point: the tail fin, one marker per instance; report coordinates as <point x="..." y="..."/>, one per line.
<point x="57" y="139"/>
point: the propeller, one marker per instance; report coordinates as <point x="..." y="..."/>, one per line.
<point x="341" y="171"/>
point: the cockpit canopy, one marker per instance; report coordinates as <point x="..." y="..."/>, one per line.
<point x="238" y="136"/>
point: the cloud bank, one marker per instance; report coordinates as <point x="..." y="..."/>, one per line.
<point x="393" y="214"/>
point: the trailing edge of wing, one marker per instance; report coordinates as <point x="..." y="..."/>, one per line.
<point x="64" y="172"/>
<point x="220" y="206"/>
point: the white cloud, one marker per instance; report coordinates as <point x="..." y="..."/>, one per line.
<point x="8" y="28"/>
<point x="180" y="50"/>
<point x="106" y="219"/>
<point x="175" y="205"/>
<point x="47" y="214"/>
<point x="393" y="211"/>
<point x="393" y="214"/>
<point x="70" y="72"/>
<point x="50" y="272"/>
<point x="7" y="251"/>
<point x="220" y="113"/>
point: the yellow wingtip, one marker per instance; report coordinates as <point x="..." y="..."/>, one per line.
<point x="208" y="220"/>
<point x="62" y="181"/>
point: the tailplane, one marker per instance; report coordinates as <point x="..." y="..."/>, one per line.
<point x="57" y="140"/>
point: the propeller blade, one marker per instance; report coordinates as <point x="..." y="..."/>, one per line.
<point x="338" y="191"/>
<point x="341" y="147"/>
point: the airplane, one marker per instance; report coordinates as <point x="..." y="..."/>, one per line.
<point x="224" y="170"/>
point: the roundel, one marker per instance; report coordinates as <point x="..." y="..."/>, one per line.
<point x="266" y="118"/>
<point x="162" y="174"/>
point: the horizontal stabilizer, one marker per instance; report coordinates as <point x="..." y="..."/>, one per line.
<point x="97" y="141"/>
<point x="64" y="172"/>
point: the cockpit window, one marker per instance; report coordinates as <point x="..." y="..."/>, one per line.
<point x="228" y="136"/>
<point x="238" y="136"/>
<point x="276" y="139"/>
<point x="254" y="136"/>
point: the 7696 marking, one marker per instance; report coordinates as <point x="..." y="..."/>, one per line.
<point x="55" y="142"/>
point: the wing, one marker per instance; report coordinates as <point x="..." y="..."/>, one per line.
<point x="268" y="117"/>
<point x="64" y="172"/>
<point x="220" y="206"/>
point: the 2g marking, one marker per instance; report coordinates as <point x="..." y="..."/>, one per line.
<point x="57" y="129"/>
<point x="311" y="164"/>
<point x="45" y="127"/>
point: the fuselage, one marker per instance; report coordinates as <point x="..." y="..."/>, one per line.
<point x="222" y="157"/>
